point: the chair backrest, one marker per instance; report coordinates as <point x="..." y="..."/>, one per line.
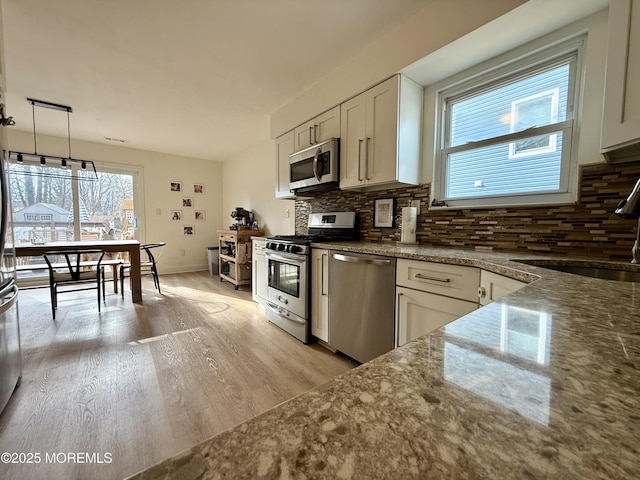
<point x="72" y="261"/>
<point x="147" y="247"/>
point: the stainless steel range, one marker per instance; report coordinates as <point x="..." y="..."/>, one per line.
<point x="289" y="269"/>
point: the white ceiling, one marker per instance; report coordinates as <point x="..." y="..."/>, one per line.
<point x="196" y="78"/>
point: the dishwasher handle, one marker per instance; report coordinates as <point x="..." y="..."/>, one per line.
<point x="366" y="260"/>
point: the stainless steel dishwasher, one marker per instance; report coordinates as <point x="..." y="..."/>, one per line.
<point x="361" y="304"/>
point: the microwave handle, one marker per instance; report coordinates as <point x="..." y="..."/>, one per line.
<point x="316" y="171"/>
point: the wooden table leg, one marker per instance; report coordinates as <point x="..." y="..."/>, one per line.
<point x="135" y="276"/>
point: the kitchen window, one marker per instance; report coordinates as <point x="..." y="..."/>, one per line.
<point x="508" y="136"/>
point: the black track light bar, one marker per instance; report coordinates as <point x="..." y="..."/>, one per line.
<point x="52" y="164"/>
<point x="53" y="106"/>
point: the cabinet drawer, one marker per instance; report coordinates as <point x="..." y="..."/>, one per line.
<point x="228" y="237"/>
<point x="451" y="280"/>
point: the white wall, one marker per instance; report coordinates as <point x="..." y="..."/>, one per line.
<point x="158" y="169"/>
<point x="249" y="182"/>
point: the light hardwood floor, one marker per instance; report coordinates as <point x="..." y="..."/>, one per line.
<point x="140" y="383"/>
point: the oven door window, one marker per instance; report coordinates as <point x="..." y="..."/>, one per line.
<point x="284" y="277"/>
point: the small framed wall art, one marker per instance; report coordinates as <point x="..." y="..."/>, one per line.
<point x="199" y="215"/>
<point x="198" y="188"/>
<point x="384" y="212"/>
<point x="187" y="202"/>
<point x="175" y="214"/>
<point x="175" y="186"/>
<point x="188" y="230"/>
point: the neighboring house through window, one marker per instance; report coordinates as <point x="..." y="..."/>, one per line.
<point x="506" y="136"/>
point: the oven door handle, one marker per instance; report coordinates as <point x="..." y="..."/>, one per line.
<point x="286" y="259"/>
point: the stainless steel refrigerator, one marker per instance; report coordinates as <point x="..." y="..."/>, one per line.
<point x="10" y="361"/>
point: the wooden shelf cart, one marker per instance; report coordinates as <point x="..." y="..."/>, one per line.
<point x="235" y="255"/>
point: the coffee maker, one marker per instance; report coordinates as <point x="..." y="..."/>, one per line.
<point x="243" y="218"/>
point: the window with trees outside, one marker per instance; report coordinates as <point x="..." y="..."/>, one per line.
<point x="44" y="206"/>
<point x="506" y="137"/>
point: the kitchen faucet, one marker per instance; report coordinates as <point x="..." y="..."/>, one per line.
<point x="630" y="208"/>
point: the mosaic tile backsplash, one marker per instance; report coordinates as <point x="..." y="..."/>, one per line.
<point x="588" y="228"/>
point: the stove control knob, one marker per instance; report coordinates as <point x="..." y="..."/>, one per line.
<point x="295" y="249"/>
<point x="281" y="247"/>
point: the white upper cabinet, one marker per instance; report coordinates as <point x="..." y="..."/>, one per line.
<point x="284" y="148"/>
<point x="321" y="128"/>
<point x="380" y="136"/>
<point x="621" y="112"/>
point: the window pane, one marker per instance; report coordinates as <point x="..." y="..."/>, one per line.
<point x="106" y="207"/>
<point x="491" y="171"/>
<point x="536" y="100"/>
<point x="42" y="205"/>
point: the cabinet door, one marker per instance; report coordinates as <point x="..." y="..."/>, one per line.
<point x="320" y="294"/>
<point x="494" y="286"/>
<point x="319" y="129"/>
<point x="352" y="139"/>
<point x="621" y="112"/>
<point x="284" y="147"/>
<point x="381" y="133"/>
<point x="259" y="271"/>
<point x="419" y="313"/>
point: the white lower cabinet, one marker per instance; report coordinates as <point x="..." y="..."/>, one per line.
<point x="494" y="286"/>
<point x="430" y="295"/>
<point x="419" y="313"/>
<point x="320" y="294"/>
<point x="259" y="271"/>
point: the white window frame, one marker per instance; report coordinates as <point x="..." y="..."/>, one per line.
<point x="512" y="70"/>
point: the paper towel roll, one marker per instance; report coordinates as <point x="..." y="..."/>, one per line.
<point x="409" y="223"/>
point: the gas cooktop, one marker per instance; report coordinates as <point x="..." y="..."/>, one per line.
<point x="323" y="227"/>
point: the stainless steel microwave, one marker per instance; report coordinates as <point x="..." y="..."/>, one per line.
<point x="315" y="167"/>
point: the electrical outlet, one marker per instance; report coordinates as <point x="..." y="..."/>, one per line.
<point x="158" y="211"/>
<point x="287" y="213"/>
<point x="416" y="203"/>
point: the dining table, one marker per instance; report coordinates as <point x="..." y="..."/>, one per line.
<point x="132" y="247"/>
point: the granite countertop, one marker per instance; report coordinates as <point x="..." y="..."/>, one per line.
<point x="543" y="383"/>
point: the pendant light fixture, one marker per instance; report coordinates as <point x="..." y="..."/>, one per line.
<point x="62" y="167"/>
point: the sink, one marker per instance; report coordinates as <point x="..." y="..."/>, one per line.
<point x="601" y="272"/>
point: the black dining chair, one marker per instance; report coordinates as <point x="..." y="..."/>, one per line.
<point x="147" y="265"/>
<point x="74" y="270"/>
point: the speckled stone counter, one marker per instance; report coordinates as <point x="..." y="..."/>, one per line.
<point x="541" y="384"/>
